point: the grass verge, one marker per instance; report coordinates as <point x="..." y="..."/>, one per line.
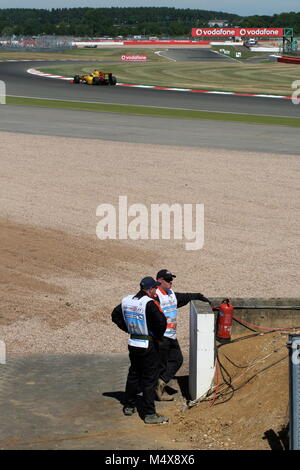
<point x="154" y="112"/>
<point x="269" y="78"/>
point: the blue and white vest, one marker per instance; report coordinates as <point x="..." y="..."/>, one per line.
<point x="134" y="313"/>
<point x="168" y="304"/>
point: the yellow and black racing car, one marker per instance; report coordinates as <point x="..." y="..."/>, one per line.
<point x="96" y="78"/>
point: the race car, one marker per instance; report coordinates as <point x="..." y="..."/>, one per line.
<point x="97" y="77"/>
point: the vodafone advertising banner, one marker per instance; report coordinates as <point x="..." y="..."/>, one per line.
<point x="133" y="57"/>
<point x="240" y="32"/>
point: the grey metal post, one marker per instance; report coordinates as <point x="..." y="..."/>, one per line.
<point x="294" y="390"/>
<point x="202" y="349"/>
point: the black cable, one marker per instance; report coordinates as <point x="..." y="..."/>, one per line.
<point x="257" y="373"/>
<point x="241" y="338"/>
<point x="233" y="363"/>
<point x="239" y="366"/>
<point x="234" y="389"/>
<point x="252" y="377"/>
<point x="229" y="384"/>
<point x="223" y="370"/>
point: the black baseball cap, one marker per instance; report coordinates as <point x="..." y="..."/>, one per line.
<point x="165" y="274"/>
<point x="148" y="283"/>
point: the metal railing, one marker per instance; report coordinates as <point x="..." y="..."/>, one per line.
<point x="35" y="42"/>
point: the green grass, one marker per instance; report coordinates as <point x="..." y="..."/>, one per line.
<point x="155" y="112"/>
<point x="115" y="53"/>
<point x="263" y="78"/>
<point x="106" y="54"/>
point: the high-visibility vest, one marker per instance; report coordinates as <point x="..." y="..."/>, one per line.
<point x="134" y="313"/>
<point x="168" y="304"/>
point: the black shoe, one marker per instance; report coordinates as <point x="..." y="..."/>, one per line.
<point x="160" y="394"/>
<point x="155" y="419"/>
<point x="164" y="397"/>
<point x="170" y="390"/>
<point x="129" y="410"/>
<point x="159" y="391"/>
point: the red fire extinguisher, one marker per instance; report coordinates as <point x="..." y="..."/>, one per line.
<point x="224" y="321"/>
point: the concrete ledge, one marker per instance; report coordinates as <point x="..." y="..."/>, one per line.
<point x="266" y="316"/>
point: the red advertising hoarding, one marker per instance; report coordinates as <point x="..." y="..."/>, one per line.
<point x="237" y="32"/>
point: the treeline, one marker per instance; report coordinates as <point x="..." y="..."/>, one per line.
<point x="112" y="22"/>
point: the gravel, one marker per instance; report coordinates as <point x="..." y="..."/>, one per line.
<point x="59" y="282"/>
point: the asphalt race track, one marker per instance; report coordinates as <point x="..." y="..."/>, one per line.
<point x="150" y="130"/>
<point x="193" y="55"/>
<point x="20" y="83"/>
<point x="214" y="134"/>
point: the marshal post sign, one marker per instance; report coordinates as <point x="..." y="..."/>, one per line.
<point x="237" y="32"/>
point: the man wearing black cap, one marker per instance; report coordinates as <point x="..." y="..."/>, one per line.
<point x="141" y="316"/>
<point x="170" y="355"/>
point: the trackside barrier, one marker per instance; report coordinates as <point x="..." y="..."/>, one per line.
<point x="165" y="42"/>
<point x="158" y="42"/>
<point x="289" y="60"/>
<point x="202" y="349"/>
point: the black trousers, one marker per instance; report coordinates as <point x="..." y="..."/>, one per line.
<point x="170" y="358"/>
<point x="143" y="376"/>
